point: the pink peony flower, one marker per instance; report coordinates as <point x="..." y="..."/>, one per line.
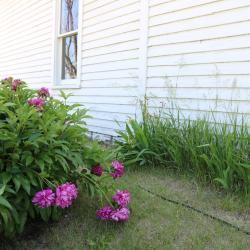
<point x="36" y="102"/>
<point x="97" y="170"/>
<point x="104" y="213"/>
<point x="44" y="198"/>
<point x="121" y="214"/>
<point x="118" y="169"/>
<point x="15" y="84"/>
<point x="122" y="198"/>
<point x="65" y="195"/>
<point x="43" y="92"/>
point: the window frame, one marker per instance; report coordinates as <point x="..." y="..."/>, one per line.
<point x="57" y="81"/>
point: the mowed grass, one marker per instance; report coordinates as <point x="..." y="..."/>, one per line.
<point x="154" y="223"/>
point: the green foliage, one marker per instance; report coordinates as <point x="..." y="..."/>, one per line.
<point x="216" y="153"/>
<point x="39" y="149"/>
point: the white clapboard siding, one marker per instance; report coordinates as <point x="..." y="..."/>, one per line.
<point x="105" y="92"/>
<point x="236" y="55"/>
<point x="126" y="109"/>
<point x="197" y="11"/>
<point x="111" y="83"/>
<point x="231" y="106"/>
<point x="239" y="41"/>
<point x="106" y="58"/>
<point x="213" y="81"/>
<point x="107" y="10"/>
<point x="202" y="93"/>
<point x="227" y="68"/>
<point x="111" y="49"/>
<point x="210" y="5"/>
<point x="208" y="33"/>
<point x="199" y="56"/>
<point x="105" y="26"/>
<point x="132" y="8"/>
<point x="104" y="100"/>
<point x="231" y="16"/>
<point x="26" y="40"/>
<point x="109" y="75"/>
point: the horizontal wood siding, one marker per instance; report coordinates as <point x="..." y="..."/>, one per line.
<point x="110" y="62"/>
<point x="26" y="40"/>
<point x="199" y="56"/>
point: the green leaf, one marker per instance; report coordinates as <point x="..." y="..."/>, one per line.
<point x="2" y="189"/>
<point x="6" y="177"/>
<point x="5" y="203"/>
<point x="29" y="160"/>
<point x="25" y="184"/>
<point x="244" y="165"/>
<point x="5" y="214"/>
<point x="40" y="163"/>
<point x="45" y="213"/>
<point x="15" y="215"/>
<point x="23" y="219"/>
<point x="17" y="182"/>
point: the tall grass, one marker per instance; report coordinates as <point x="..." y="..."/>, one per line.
<point x="215" y="153"/>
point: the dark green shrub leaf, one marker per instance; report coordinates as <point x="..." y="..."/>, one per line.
<point x="4" y="202"/>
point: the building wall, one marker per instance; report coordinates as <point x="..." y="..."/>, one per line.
<point x="199" y="55"/>
<point x="26" y="40"/>
<point x="109" y="76"/>
<point x="195" y="54"/>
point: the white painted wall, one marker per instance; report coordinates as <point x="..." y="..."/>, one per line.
<point x="199" y="55"/>
<point x="193" y="53"/>
<point x="26" y="40"/>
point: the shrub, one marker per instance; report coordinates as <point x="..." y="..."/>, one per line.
<point x="43" y="144"/>
<point x="217" y="153"/>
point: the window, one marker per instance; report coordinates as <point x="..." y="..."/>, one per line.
<point x="66" y="63"/>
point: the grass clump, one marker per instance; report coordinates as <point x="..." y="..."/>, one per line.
<point x="215" y="153"/>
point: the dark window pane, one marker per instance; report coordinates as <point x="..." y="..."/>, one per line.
<point x="69" y="57"/>
<point x="69" y="15"/>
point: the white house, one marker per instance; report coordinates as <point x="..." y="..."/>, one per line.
<point x="110" y="53"/>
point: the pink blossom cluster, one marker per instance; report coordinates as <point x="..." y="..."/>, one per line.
<point x="110" y="214"/>
<point x="97" y="170"/>
<point x="44" y="198"/>
<point x="43" y="92"/>
<point x="121" y="198"/>
<point x="63" y="197"/>
<point x="39" y="101"/>
<point x="104" y="213"/>
<point x="36" y="102"/>
<point x="120" y="214"/>
<point x="15" y="84"/>
<point x="117" y="170"/>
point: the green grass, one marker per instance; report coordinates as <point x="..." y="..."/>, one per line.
<point x="154" y="223"/>
<point x="215" y="153"/>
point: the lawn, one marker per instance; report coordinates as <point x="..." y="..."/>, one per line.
<point x="154" y="223"/>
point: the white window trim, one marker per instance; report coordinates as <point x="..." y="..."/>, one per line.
<point x="57" y="82"/>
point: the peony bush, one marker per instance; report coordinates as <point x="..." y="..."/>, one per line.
<point x="46" y="159"/>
